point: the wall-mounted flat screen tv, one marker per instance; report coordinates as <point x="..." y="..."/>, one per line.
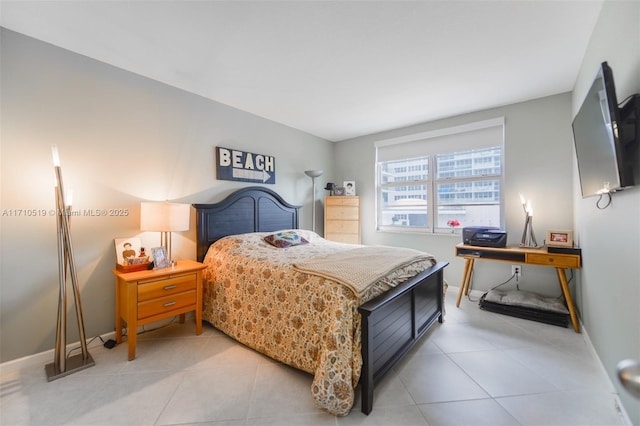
<point x="605" y="138"/>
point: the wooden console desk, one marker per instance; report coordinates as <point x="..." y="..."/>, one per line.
<point x="528" y="256"/>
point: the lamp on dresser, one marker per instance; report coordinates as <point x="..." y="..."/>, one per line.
<point x="165" y="218"/>
<point x="313" y="174"/>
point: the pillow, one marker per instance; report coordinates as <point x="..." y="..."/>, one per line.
<point x="285" y="239"/>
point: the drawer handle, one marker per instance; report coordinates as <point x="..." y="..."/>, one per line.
<point x="166" y="305"/>
<point x="169" y="287"/>
<point x="551" y="259"/>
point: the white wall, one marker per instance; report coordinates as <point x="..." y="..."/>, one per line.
<point x="609" y="292"/>
<point x="538" y="152"/>
<point x="122" y="139"/>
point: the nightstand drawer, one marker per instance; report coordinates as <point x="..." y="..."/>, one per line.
<point x="162" y="305"/>
<point x="558" y="261"/>
<point x="160" y="288"/>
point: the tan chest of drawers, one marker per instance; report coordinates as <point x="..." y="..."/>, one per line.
<point x="148" y="296"/>
<point x="342" y="219"/>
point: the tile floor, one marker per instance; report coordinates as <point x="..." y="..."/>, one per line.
<point x="478" y="368"/>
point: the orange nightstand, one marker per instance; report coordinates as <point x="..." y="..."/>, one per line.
<point x="147" y="296"/>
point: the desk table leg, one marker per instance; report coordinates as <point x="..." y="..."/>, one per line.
<point x="466" y="278"/>
<point x="564" y="285"/>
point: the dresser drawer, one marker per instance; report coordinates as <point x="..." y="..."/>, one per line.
<point x="342" y="219"/>
<point x="343" y="238"/>
<point x="342" y="213"/>
<point x="550" y="259"/>
<point x="159" y="288"/>
<point x="342" y="201"/>
<point x="162" y="305"/>
<point x="342" y="226"/>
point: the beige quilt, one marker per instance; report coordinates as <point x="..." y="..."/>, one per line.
<point x="362" y="267"/>
<point x="252" y="292"/>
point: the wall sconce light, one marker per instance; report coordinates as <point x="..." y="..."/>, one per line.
<point x="313" y="174"/>
<point x="165" y="218"/>
<point x="528" y="237"/>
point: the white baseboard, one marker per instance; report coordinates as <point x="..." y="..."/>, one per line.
<point x="477" y="294"/>
<point x="623" y="413"/>
<point x="46" y="357"/>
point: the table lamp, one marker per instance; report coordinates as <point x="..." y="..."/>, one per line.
<point x="165" y="218"/>
<point x="528" y="237"/>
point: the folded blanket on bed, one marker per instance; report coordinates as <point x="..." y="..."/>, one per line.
<point x="361" y="267"/>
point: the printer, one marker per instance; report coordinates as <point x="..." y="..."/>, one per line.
<point x="483" y="236"/>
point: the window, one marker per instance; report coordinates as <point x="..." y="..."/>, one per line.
<point x="426" y="180"/>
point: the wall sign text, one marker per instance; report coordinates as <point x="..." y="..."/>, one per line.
<point x="232" y="164"/>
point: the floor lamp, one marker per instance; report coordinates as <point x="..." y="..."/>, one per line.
<point x="61" y="365"/>
<point x="313" y="174"/>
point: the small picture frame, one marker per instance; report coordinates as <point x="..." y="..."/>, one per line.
<point x="128" y="250"/>
<point x="559" y="238"/>
<point x="349" y="187"/>
<point x="160" y="258"/>
<point x="338" y="191"/>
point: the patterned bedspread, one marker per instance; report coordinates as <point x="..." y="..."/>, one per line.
<point x="252" y="292"/>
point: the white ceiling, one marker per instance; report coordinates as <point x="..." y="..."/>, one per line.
<point x="335" y="69"/>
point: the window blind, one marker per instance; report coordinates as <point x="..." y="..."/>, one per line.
<point x="462" y="138"/>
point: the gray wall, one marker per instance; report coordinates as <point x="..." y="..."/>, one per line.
<point x="122" y="139"/>
<point x="541" y="163"/>
<point x="609" y="293"/>
<point x="538" y="152"/>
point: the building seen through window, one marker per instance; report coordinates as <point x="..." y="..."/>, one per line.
<point x="463" y="186"/>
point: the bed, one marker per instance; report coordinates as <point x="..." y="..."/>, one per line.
<point x="343" y="336"/>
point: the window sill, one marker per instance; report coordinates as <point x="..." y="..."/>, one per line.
<point x="390" y="230"/>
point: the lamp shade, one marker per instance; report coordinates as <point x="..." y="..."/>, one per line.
<point x="164" y="217"/>
<point x="314" y="173"/>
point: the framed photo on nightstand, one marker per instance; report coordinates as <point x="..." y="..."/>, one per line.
<point x="160" y="258"/>
<point x="127" y="249"/>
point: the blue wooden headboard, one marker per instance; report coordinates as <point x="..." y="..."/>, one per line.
<point x="251" y="209"/>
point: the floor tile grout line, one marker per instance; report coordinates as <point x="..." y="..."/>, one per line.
<point x="175" y="390"/>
